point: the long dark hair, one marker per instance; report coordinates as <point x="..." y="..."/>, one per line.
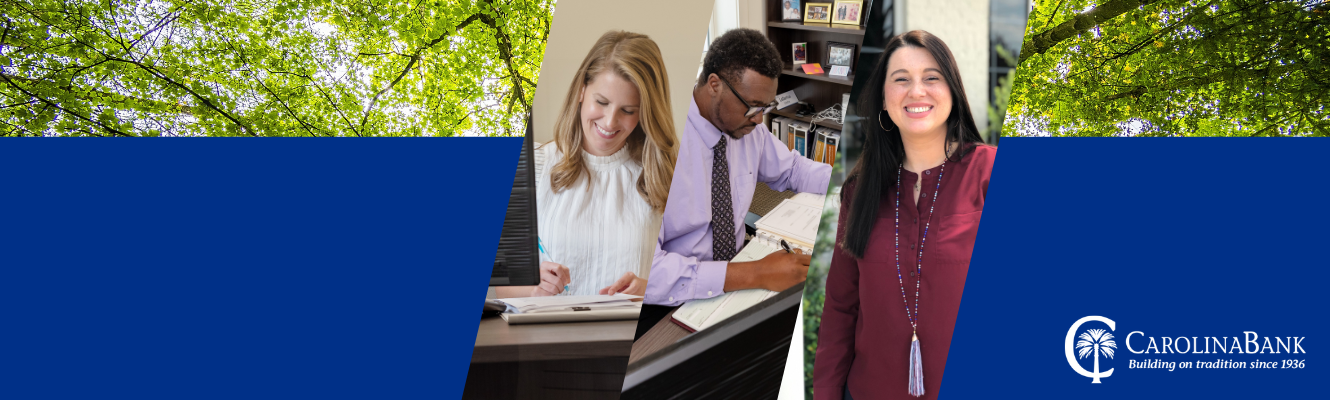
<point x="883" y="151"/>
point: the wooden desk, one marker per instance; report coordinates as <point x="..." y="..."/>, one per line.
<point x="575" y="360"/>
<point x="740" y="357"/>
<point x="496" y="341"/>
<point x="661" y="335"/>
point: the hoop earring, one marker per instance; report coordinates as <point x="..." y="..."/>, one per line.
<point x="879" y="121"/>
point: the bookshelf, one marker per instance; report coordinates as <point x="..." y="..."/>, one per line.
<point x="821" y="91"/>
<point x="842" y="29"/>
<point x="847" y="81"/>
<point x="790" y="114"/>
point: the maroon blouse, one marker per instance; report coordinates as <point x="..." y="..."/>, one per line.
<point x="864" y="340"/>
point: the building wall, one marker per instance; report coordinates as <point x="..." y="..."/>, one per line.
<point x="963" y="25"/>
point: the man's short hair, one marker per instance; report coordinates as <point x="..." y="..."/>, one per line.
<point x="741" y="49"/>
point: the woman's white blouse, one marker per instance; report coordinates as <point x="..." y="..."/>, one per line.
<point x="596" y="233"/>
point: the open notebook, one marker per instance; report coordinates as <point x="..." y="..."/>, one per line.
<point x="794" y="220"/>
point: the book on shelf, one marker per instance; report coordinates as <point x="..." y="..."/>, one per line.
<point x="800" y="137"/>
<point x="800" y="141"/>
<point x="788" y="136"/>
<point x="778" y="127"/>
<point x="826" y="144"/>
<point x="832" y="140"/>
<point x="819" y="146"/>
<point x="844" y="107"/>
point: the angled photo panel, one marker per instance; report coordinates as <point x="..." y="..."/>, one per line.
<point x="1173" y="68"/>
<point x="1110" y="283"/>
<point x="266" y="68"/>
<point x="755" y="161"/>
<point x="898" y="229"/>
<point x="596" y="167"/>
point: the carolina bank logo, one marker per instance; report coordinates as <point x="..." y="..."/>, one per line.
<point x="1092" y="343"/>
<point x="1088" y="341"/>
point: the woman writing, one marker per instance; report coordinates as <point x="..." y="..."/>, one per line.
<point x="606" y="174"/>
<point x="909" y="214"/>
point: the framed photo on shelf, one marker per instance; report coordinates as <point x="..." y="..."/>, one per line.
<point x="840" y="54"/>
<point x="848" y="12"/>
<point x="800" y="53"/>
<point x="818" y="12"/>
<point x="789" y="11"/>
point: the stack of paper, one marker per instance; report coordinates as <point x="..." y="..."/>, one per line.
<point x="531" y="305"/>
<point x="794" y="220"/>
<point x="526" y="310"/>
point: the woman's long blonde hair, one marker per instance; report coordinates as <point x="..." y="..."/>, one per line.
<point x="634" y="57"/>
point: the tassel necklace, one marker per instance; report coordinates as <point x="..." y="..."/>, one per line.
<point x="916" y="362"/>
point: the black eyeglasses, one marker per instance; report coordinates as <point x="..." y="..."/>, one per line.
<point x="752" y="110"/>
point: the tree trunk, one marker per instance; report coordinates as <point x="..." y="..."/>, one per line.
<point x="1096" y="363"/>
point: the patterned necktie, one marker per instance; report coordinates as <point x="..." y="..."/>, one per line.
<point x="722" y="209"/>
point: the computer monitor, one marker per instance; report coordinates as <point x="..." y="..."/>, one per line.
<point x="518" y="260"/>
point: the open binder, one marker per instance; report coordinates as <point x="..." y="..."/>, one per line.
<point x="795" y="220"/>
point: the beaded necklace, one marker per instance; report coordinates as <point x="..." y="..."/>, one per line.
<point x="916" y="362"/>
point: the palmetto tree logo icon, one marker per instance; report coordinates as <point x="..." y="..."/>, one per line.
<point x="1096" y="341"/>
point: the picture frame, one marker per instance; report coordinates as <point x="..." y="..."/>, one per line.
<point x="789" y="11"/>
<point x="817" y="12"/>
<point x="848" y="12"/>
<point x="841" y="54"/>
<point x="800" y="53"/>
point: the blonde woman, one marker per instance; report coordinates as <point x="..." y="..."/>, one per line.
<point x="607" y="173"/>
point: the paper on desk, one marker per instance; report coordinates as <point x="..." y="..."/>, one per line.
<point x="810" y="199"/>
<point x="703" y="313"/>
<point x="615" y="314"/>
<point x="567" y="303"/>
<point x="756" y="250"/>
<point x="585" y="307"/>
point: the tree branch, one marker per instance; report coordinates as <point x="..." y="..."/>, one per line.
<point x="58" y="107"/>
<point x="91" y="94"/>
<point x="1134" y="93"/>
<point x="1043" y="41"/>
<point x="245" y="59"/>
<point x="412" y="63"/>
<point x="506" y="53"/>
<point x="308" y="128"/>
<point x="159" y="75"/>
<point x="166" y="20"/>
<point x="340" y="113"/>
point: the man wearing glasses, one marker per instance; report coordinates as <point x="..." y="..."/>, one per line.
<point x="724" y="151"/>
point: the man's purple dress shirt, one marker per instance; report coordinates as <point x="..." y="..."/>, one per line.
<point x="683" y="269"/>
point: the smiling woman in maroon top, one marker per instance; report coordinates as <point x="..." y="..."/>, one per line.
<point x="909" y="214"/>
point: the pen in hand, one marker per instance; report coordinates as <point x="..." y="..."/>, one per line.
<point x="785" y="245"/>
<point x="540" y="245"/>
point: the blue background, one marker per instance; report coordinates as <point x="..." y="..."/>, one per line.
<point x="222" y="268"/>
<point x="1172" y="237"/>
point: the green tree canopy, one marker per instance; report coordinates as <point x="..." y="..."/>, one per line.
<point x="1173" y="68"/>
<point x="269" y="67"/>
